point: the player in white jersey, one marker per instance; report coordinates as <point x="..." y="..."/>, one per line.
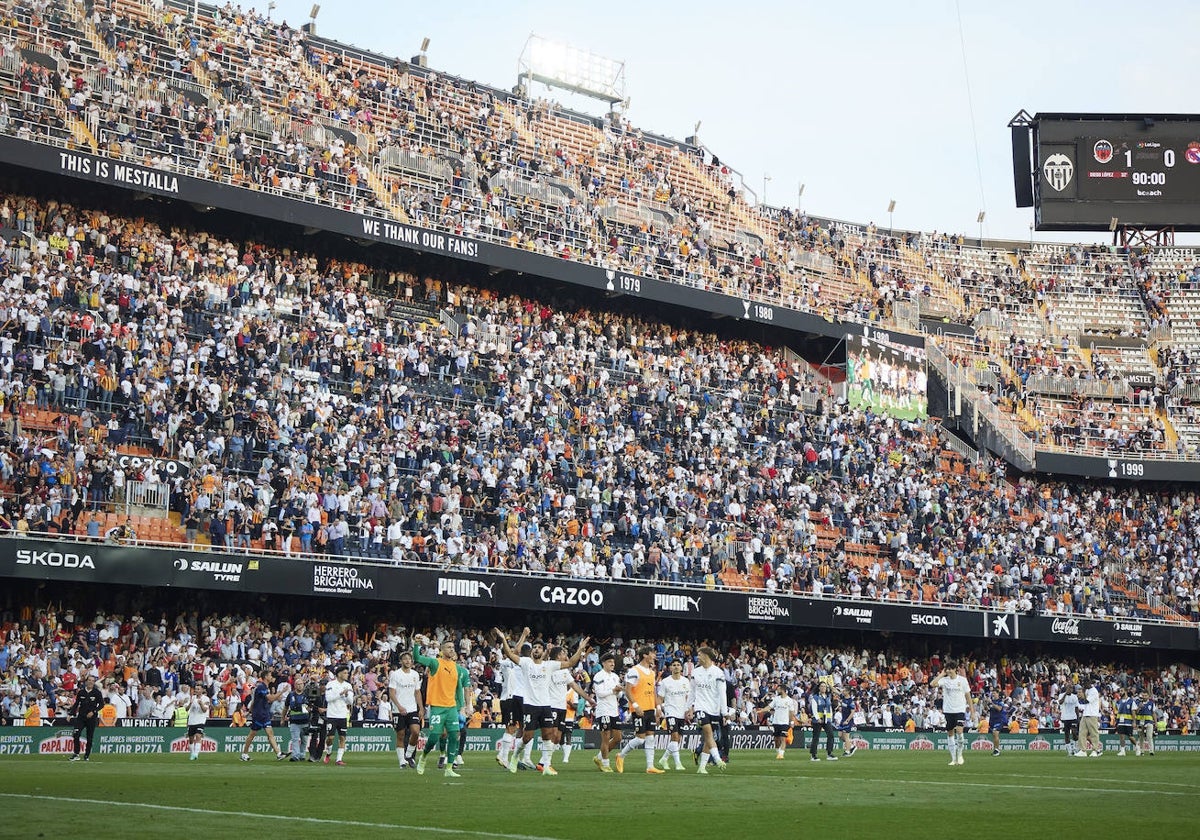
<point x="956" y="700"/>
<point x="408" y="710"/>
<point x="607" y="686"/>
<point x="708" y="705"/>
<point x="536" y="713"/>
<point x="782" y="710"/>
<point x="198" y="707"/>
<point x="512" y="700"/>
<point x="339" y="697"/>
<point x="561" y="683"/>
<point x="1068" y="713"/>
<point x="674" y="703"/>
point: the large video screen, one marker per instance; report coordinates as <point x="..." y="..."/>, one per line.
<point x="886" y="378"/>
<point x="1139" y="170"/>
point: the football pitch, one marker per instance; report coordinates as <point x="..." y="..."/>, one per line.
<point x="873" y="794"/>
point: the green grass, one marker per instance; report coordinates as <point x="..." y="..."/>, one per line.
<point x="854" y="397"/>
<point x="874" y="794"/>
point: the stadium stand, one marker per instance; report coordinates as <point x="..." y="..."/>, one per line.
<point x="512" y="433"/>
<point x="324" y="406"/>
<point x="141" y="662"/>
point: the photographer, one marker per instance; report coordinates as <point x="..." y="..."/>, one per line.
<point x="314" y="696"/>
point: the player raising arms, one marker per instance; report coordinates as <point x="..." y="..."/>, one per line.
<point x="512" y="701"/>
<point x="708" y="705"/>
<point x="675" y="692"/>
<point x="445" y="692"/>
<point x="640" y="683"/>
<point x="537" y="713"/>
<point x="607" y="687"/>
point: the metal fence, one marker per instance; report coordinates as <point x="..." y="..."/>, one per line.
<point x="1004" y="425"/>
<point x="1063" y="386"/>
<point x="147" y="494"/>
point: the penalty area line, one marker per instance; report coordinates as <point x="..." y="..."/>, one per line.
<point x="453" y="832"/>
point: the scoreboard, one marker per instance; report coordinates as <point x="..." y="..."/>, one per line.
<point x="1142" y="170"/>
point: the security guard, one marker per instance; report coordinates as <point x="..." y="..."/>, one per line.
<point x="1144" y="718"/>
<point x="1126" y="710"/>
<point x="820" y="706"/>
<point x="296" y="714"/>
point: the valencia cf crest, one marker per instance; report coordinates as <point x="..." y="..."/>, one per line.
<point x="1058" y="170"/>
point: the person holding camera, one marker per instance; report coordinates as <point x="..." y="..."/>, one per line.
<point x="314" y="693"/>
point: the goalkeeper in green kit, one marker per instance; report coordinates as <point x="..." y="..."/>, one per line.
<point x="445" y="694"/>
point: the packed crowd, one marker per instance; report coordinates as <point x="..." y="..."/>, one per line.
<point x="237" y="96"/>
<point x="141" y="663"/>
<point x="537" y="435"/>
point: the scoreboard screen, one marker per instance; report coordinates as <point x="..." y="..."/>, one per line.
<point x="1143" y="171"/>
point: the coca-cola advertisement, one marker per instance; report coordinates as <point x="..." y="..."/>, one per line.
<point x="1065" y="627"/>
